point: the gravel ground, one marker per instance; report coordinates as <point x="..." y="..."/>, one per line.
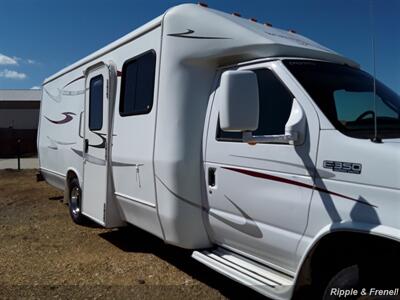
<point x="44" y="255"/>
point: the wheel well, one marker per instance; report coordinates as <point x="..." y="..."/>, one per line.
<point x="70" y="175"/>
<point x="338" y="250"/>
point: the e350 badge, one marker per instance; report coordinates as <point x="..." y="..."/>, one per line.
<point x="342" y="166"/>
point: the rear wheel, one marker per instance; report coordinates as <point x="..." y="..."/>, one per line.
<point x="75" y="197"/>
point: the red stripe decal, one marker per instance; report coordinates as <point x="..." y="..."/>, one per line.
<point x="119" y="74"/>
<point x="76" y="79"/>
<point x="292" y="182"/>
<point x="68" y="118"/>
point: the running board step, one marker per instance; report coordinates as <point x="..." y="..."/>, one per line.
<point x="252" y="274"/>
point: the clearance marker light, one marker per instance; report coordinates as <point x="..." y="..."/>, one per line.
<point x="236" y="14"/>
<point x="202" y="4"/>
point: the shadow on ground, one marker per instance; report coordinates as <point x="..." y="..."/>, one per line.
<point x="133" y="239"/>
<point x="59" y="198"/>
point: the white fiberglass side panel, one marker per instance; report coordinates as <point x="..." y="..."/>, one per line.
<point x="133" y="141"/>
<point x="60" y="117"/>
<point x="242" y="39"/>
<point x="186" y="81"/>
<point x="259" y="204"/>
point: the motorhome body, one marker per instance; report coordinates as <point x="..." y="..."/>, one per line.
<point x="136" y="128"/>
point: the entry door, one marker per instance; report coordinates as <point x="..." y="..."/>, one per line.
<point x="258" y="195"/>
<point x="95" y="144"/>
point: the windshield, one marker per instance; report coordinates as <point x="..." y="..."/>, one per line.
<point x="346" y="96"/>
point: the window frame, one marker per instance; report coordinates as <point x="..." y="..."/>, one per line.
<point x="90" y="102"/>
<point x="123" y="81"/>
<point x="253" y="68"/>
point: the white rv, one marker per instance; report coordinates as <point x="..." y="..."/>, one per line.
<point x="272" y="157"/>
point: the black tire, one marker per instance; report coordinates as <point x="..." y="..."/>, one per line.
<point x="74" y="204"/>
<point x="346" y="279"/>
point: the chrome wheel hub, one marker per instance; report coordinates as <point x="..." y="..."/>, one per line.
<point x="74" y="200"/>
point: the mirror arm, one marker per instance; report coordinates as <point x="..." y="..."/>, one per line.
<point x="249" y="138"/>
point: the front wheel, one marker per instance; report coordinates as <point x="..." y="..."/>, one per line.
<point x="347" y="279"/>
<point x="351" y="283"/>
<point x="74" y="205"/>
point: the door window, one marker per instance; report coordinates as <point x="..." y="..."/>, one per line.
<point x="96" y="103"/>
<point x="275" y="107"/>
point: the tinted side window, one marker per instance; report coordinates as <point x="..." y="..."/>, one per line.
<point x="96" y="103"/>
<point x="275" y="104"/>
<point x="275" y="107"/>
<point x="137" y="87"/>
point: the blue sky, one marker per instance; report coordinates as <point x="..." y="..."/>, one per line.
<point x="39" y="37"/>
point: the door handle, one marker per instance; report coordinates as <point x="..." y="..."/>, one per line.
<point x="211" y="177"/>
<point x="86" y="146"/>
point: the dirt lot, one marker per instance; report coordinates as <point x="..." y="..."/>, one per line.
<point x="44" y="255"/>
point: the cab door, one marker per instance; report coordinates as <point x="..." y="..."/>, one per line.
<point x="258" y="195"/>
<point x="95" y="163"/>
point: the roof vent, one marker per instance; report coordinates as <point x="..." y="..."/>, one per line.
<point x="202" y="4"/>
<point x="236" y="14"/>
